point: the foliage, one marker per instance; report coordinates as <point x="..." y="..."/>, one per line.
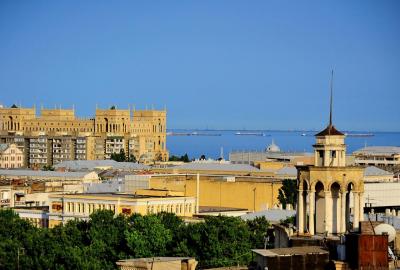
<point x="258" y="231"/>
<point x="120" y="157"/>
<point x="105" y="238"/>
<point x="288" y="193"/>
<point x="147" y="236"/>
<point x="289" y="220"/>
<point x="132" y="158"/>
<point x="202" y="157"/>
<point x="184" y="158"/>
<point x="48" y="168"/>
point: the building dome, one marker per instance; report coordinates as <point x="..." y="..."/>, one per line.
<point x="273" y="147"/>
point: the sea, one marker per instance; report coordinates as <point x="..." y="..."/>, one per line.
<point x="213" y="143"/>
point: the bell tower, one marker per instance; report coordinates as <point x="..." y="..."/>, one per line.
<point x="329" y="192"/>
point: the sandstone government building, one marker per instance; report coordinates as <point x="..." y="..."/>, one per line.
<point x="58" y="135"/>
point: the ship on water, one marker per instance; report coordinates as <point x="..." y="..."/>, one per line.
<point x="194" y="133"/>
<point x="250" y="134"/>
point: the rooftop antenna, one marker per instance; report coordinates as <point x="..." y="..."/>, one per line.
<point x="331" y="101"/>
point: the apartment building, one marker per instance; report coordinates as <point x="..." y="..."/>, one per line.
<point x="57" y="134"/>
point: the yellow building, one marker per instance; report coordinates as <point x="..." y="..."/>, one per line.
<point x="252" y="193"/>
<point x="64" y="207"/>
<point x="58" y="135"/>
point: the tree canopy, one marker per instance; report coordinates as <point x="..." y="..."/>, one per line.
<point x="105" y="238"/>
<point x="288" y="193"/>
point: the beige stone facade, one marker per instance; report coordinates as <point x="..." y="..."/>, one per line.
<point x="326" y="188"/>
<point x="57" y="134"/>
<point x="64" y="207"/>
<point x="11" y="156"/>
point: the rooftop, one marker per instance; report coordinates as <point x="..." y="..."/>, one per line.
<point x="273" y="215"/>
<point x="77" y="165"/>
<point x="216" y="167"/>
<point x="287" y="171"/>
<point x="3" y="147"/>
<point x="290" y="251"/>
<point x="378" y="150"/>
<point x="114" y="195"/>
<point x="43" y="173"/>
<point x="330" y="130"/>
<point x="374" y="171"/>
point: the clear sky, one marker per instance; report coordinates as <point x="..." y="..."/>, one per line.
<point x="215" y="64"/>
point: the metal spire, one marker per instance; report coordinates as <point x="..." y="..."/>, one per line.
<point x="331" y="101"/>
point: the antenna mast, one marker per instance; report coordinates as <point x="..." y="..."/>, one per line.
<point x="331" y="101"/>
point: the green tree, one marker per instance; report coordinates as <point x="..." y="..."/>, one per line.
<point x="185" y="158"/>
<point x="219" y="241"/>
<point x="120" y="157"/>
<point x="147" y="236"/>
<point x="288" y="193"/>
<point x="132" y="158"/>
<point x="48" y="168"/>
<point x="258" y="228"/>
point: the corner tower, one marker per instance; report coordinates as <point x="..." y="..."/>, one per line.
<point x="326" y="189"/>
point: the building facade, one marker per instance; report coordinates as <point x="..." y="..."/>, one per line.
<point x="64" y="207"/>
<point x="380" y="156"/>
<point x="326" y="189"/>
<point x="58" y="135"/>
<point x="11" y="156"/>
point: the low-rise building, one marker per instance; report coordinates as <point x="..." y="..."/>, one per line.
<point x="64" y="207"/>
<point x="32" y="188"/>
<point x="378" y="156"/>
<point x="11" y="156"/>
<point x="232" y="190"/>
<point x="375" y="174"/>
<point x="158" y="263"/>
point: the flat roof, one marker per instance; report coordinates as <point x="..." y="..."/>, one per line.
<point x="378" y="150"/>
<point x="216" y="167"/>
<point x="155" y="259"/>
<point x="374" y="171"/>
<point x="12" y="172"/>
<point x="290" y="251"/>
<point x="210" y="209"/>
<point x="115" y="195"/>
<point x="273" y="215"/>
<point x="92" y="164"/>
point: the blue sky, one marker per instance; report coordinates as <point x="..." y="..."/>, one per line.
<point x="215" y="64"/>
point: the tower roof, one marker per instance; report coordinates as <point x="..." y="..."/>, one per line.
<point x="329" y="130"/>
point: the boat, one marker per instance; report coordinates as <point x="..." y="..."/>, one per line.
<point x="250" y="133"/>
<point x="359" y="134"/>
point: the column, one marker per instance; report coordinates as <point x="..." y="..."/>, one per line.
<point x="311" y="198"/>
<point x="356" y="212"/>
<point x="362" y="206"/>
<point x="328" y="212"/>
<point x="343" y="212"/>
<point x="300" y="212"/>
